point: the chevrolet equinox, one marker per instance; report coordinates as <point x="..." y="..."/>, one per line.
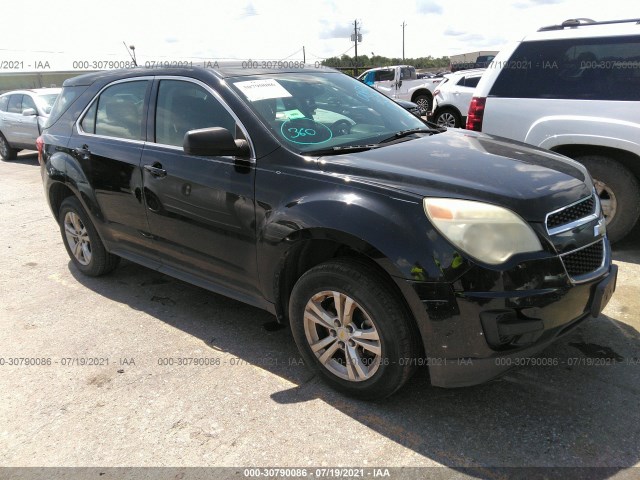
<point x="384" y="241"/>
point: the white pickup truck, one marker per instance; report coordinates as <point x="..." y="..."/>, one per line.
<point x="401" y="82"/>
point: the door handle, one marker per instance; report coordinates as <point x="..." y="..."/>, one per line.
<point x="82" y="152"/>
<point x="156" y="170"/>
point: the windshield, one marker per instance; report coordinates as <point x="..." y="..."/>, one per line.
<point x="312" y="111"/>
<point x="46" y="102"/>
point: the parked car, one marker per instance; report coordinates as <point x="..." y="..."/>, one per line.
<point x="384" y="244"/>
<point x="401" y="82"/>
<point x="22" y="116"/>
<point x="452" y="98"/>
<point x="574" y="88"/>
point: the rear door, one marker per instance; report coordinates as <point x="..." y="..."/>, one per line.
<point x="200" y="209"/>
<point x="12" y="118"/>
<point x="463" y="93"/>
<point x="107" y="144"/>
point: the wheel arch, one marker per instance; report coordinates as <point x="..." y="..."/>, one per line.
<point x="58" y="191"/>
<point x="421" y="91"/>
<point x="629" y="159"/>
<point x="311" y="247"/>
<point x="64" y="176"/>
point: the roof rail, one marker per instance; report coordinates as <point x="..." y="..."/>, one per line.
<point x="585" y="22"/>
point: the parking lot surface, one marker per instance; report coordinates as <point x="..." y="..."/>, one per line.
<point x="138" y="369"/>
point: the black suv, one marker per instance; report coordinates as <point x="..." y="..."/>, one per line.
<point x="385" y="242"/>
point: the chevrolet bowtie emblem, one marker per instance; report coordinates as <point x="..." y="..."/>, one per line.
<point x="600" y="228"/>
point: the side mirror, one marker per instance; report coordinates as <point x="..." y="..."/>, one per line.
<point x="214" y="142"/>
<point x="29" y="112"/>
<point x="399" y="83"/>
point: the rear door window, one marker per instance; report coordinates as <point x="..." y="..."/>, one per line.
<point x="15" y="104"/>
<point x="408" y="73"/>
<point x="118" y="111"/>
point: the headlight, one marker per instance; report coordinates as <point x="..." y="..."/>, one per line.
<point x="488" y="233"/>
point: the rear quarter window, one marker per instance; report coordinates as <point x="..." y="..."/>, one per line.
<point x="581" y="69"/>
<point x="4" y="101"/>
<point x="63" y="102"/>
<point x="471" y="82"/>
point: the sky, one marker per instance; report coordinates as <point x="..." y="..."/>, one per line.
<point x="88" y="30"/>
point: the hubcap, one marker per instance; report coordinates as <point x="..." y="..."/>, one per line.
<point x="77" y="238"/>
<point x="4" y="148"/>
<point x="342" y="336"/>
<point x="607" y="200"/>
<point x="447" y="120"/>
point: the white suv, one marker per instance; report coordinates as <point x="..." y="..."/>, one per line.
<point x="452" y="97"/>
<point x="574" y="88"/>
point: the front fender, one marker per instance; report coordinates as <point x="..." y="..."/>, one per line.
<point x="391" y="230"/>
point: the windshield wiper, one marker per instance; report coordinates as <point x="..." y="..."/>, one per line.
<point x="406" y="133"/>
<point x="339" y="150"/>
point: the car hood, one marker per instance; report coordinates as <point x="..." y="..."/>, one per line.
<point x="462" y="164"/>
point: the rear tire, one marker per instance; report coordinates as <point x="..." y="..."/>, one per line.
<point x="82" y="242"/>
<point x="352" y="329"/>
<point x="447" y="117"/>
<point x="6" y="152"/>
<point x="619" y="193"/>
<point x="424" y="102"/>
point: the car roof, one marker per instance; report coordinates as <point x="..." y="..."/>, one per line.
<point x="218" y="70"/>
<point x="37" y="91"/>
<point x="472" y="72"/>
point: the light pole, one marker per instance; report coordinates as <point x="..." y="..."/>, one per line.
<point x="403" y="25"/>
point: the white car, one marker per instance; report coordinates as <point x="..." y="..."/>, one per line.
<point x="452" y="98"/>
<point x="574" y="88"/>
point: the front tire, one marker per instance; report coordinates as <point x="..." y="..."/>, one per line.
<point x="6" y="152"/>
<point x="352" y="329"/>
<point x="619" y="193"/>
<point x="82" y="242"/>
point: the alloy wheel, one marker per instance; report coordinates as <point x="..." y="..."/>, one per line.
<point x="342" y="336"/>
<point x="446" y="119"/>
<point x="77" y="238"/>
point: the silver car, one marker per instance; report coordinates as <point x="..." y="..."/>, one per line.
<point x="22" y="116"/>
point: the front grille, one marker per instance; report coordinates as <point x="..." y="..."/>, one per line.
<point x="584" y="260"/>
<point x="571" y="213"/>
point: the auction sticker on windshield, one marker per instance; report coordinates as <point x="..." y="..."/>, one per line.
<point x="262" y="89"/>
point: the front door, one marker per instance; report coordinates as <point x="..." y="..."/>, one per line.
<point x="200" y="209"/>
<point x="385" y="82"/>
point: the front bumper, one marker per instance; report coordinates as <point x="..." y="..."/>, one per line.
<point x="471" y="337"/>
